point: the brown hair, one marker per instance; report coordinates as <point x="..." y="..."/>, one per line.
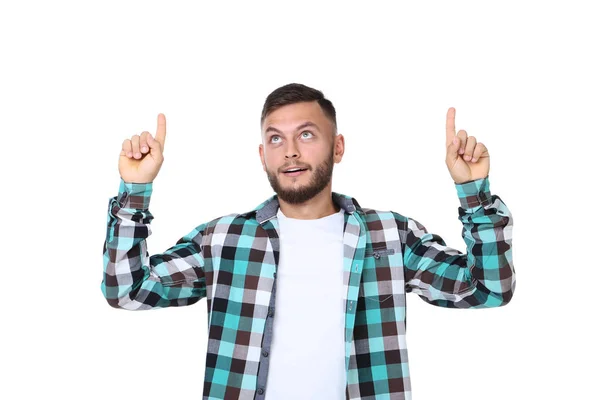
<point x="295" y="93"/>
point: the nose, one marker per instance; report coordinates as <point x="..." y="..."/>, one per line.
<point x="291" y="151"/>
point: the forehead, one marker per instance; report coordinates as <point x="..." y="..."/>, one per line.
<point x="288" y="117"/>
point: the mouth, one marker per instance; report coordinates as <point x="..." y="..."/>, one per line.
<point x="296" y="172"/>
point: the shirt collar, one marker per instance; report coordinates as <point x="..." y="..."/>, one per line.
<point x="268" y="208"/>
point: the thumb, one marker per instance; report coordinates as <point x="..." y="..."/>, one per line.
<point x="452" y="150"/>
<point x="155" y="146"/>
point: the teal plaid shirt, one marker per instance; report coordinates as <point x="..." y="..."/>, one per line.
<point x="232" y="261"/>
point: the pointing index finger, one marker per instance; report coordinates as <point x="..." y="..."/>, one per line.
<point x="161" y="129"/>
<point x="450" y="127"/>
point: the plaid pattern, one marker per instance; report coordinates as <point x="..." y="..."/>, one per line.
<point x="232" y="261"/>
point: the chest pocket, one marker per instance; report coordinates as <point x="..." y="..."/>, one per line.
<point x="376" y="276"/>
<point x="377" y="253"/>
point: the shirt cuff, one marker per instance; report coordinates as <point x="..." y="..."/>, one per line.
<point x="474" y="193"/>
<point x="134" y="195"/>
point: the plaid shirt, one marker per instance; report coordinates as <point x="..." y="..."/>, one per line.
<point x="232" y="261"/>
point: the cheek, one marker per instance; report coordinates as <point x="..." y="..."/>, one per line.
<point x="273" y="159"/>
<point x="270" y="165"/>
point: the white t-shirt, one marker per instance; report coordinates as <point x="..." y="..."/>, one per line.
<point x="307" y="359"/>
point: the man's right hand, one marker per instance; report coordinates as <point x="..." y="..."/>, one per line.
<point x="142" y="155"/>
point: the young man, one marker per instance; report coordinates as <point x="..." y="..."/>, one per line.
<point x="306" y="292"/>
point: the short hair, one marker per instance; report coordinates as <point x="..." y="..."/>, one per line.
<point x="296" y="93"/>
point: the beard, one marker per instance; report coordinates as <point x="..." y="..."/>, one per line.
<point x="301" y="193"/>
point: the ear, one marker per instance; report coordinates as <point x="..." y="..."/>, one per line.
<point x="339" y="147"/>
<point x="262" y="156"/>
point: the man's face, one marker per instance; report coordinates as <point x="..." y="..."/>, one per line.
<point x="299" y="135"/>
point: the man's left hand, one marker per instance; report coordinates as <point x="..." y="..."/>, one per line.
<point x="466" y="159"/>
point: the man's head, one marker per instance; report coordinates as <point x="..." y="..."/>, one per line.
<point x="299" y="129"/>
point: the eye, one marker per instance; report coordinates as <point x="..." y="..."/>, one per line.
<point x="276" y="136"/>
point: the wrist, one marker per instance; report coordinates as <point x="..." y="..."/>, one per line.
<point x="134" y="194"/>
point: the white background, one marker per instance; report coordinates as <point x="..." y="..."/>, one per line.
<point x="77" y="78"/>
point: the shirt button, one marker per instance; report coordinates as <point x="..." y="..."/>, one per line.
<point x="260" y="391"/>
<point x="265" y="353"/>
<point x="270" y="312"/>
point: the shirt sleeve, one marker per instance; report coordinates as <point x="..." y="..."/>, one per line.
<point x="445" y="277"/>
<point x="132" y="279"/>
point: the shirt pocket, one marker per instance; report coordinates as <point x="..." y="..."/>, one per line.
<point x="377" y="276"/>
<point x="377" y="253"/>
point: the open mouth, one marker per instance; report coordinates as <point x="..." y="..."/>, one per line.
<point x="295" y="172"/>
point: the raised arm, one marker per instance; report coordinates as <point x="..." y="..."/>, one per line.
<point x="482" y="277"/>
<point x="132" y="278"/>
<point x="443" y="276"/>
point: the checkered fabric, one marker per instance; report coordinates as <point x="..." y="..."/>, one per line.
<point x="232" y="261"/>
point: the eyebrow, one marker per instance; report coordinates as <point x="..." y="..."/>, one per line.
<point x="303" y="125"/>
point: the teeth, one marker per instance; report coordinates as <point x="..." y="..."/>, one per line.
<point x="293" y="170"/>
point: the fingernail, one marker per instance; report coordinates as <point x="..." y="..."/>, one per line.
<point x="144" y="148"/>
<point x="129" y="154"/>
<point x="474" y="160"/>
<point x="467" y="158"/>
<point x="461" y="151"/>
<point x="137" y="155"/>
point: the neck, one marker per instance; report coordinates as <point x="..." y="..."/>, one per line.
<point x="319" y="206"/>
